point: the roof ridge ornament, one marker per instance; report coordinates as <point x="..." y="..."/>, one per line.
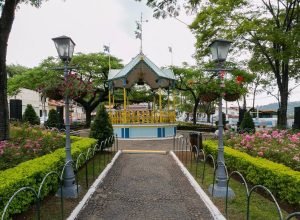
<point x="139" y="31"/>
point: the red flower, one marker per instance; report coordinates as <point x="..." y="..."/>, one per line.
<point x="239" y="79"/>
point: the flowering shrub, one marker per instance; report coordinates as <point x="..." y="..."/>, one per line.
<point x="75" y="86"/>
<point x="280" y="146"/>
<point x="27" y="143"/>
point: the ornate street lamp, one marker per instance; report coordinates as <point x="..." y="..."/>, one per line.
<point x="219" y="50"/>
<point x="65" y="48"/>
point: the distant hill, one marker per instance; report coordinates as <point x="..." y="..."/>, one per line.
<point x="274" y="107"/>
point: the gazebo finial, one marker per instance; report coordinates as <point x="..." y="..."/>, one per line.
<point x="139" y="31"/>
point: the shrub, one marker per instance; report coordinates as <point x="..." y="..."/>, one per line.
<point x="280" y="146"/>
<point x="197" y="127"/>
<point x="27" y="143"/>
<point x="53" y="120"/>
<point x="101" y="127"/>
<point x="31" y="116"/>
<point x="281" y="180"/>
<point x="247" y="124"/>
<point x="31" y="173"/>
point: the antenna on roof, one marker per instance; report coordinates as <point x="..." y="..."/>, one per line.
<point x="139" y="31"/>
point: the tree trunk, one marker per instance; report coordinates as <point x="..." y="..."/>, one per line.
<point x="6" y="21"/>
<point x="4" y="122"/>
<point x="208" y="117"/>
<point x="91" y="104"/>
<point x="195" y="110"/>
<point x="282" y="110"/>
<point x="88" y="118"/>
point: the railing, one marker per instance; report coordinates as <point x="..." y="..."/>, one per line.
<point x="182" y="148"/>
<point x="141" y="117"/>
<point x="105" y="151"/>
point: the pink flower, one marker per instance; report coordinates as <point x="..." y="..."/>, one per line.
<point x="296" y="158"/>
<point x="260" y="153"/>
<point x="294" y="138"/>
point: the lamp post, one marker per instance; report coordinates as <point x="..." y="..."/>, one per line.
<point x="65" y="48"/>
<point x="219" y="50"/>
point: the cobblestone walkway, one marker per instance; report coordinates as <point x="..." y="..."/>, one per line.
<point x="145" y="186"/>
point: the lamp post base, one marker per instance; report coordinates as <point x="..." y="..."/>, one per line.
<point x="220" y="192"/>
<point x="68" y="192"/>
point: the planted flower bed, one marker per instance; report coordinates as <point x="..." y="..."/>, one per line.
<point x="280" y="179"/>
<point x="27" y="143"/>
<point x="280" y="146"/>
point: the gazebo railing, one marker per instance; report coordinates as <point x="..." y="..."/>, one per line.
<point x="141" y="117"/>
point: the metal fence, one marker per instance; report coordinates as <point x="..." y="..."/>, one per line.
<point x="106" y="149"/>
<point x="181" y="147"/>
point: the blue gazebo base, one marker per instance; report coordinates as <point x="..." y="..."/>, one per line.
<point x="141" y="131"/>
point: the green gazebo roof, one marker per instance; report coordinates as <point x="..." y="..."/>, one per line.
<point x="141" y="70"/>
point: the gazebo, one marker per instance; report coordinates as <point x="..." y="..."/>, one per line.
<point x="151" y="123"/>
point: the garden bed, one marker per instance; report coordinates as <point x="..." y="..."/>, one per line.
<point x="280" y="146"/>
<point x="31" y="173"/>
<point x="27" y="143"/>
<point x="281" y="180"/>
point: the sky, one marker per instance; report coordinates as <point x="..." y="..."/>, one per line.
<point x="94" y="23"/>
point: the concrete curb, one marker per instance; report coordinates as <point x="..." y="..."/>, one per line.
<point x="92" y="189"/>
<point x="217" y="215"/>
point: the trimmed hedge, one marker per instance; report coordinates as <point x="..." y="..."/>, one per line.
<point x="32" y="172"/>
<point x="197" y="127"/>
<point x="283" y="182"/>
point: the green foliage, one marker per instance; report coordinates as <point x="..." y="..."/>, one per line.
<point x="210" y="86"/>
<point x="13" y="70"/>
<point x="30" y="116"/>
<point x="269" y="31"/>
<point x="53" y="119"/>
<point x="32" y="172"/>
<point x="36" y="77"/>
<point x="247" y="124"/>
<point x="87" y="84"/>
<point x="101" y="128"/>
<point x="281" y="180"/>
<point x="27" y="143"/>
<point x="189" y="83"/>
<point x="197" y="127"/>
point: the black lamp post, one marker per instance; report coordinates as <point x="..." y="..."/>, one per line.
<point x="65" y="48"/>
<point x="219" y="50"/>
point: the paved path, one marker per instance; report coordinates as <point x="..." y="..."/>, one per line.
<point x="145" y="186"/>
<point x="165" y="144"/>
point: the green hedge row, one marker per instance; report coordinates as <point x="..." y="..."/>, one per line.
<point x="197" y="127"/>
<point x="32" y="172"/>
<point x="283" y="182"/>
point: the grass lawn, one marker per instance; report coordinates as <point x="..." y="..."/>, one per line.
<point x="261" y="208"/>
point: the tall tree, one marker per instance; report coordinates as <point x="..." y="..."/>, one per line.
<point x="7" y="10"/>
<point x="268" y="29"/>
<point x="94" y="69"/>
<point x="15" y="69"/>
<point x="188" y="81"/>
<point x="89" y="88"/>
